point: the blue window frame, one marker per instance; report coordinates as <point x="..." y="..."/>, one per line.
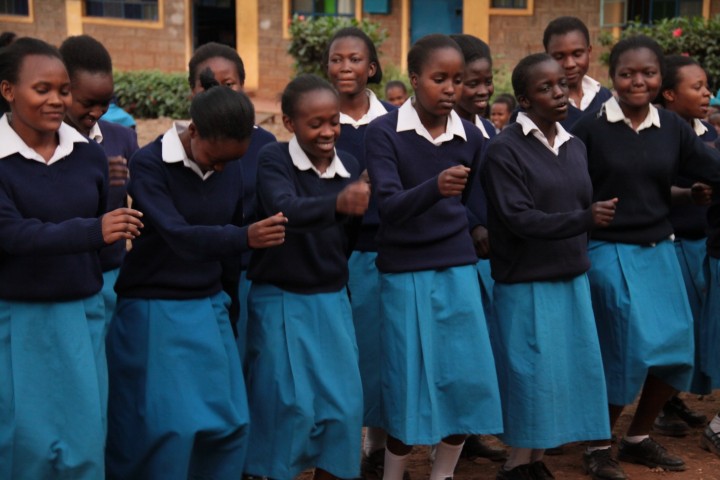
<point x="324" y="8"/>
<point x="14" y="7"/>
<point x="125" y="9"/>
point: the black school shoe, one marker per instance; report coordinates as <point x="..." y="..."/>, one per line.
<point x="679" y="408"/>
<point x="521" y="472"/>
<point x="651" y="454"/>
<point x="539" y="471"/>
<point x="710" y="441"/>
<point x="601" y="465"/>
<point x="668" y="423"/>
<point x="476" y="447"/>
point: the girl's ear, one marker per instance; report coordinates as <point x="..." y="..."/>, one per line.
<point x="6" y="90"/>
<point x="523" y="101"/>
<point x="413" y="80"/>
<point x="192" y="130"/>
<point x="288" y="123"/>
<point x="669" y="95"/>
<point x="372" y="70"/>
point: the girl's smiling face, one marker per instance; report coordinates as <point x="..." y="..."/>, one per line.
<point x="691" y="97"/>
<point x="477" y="88"/>
<point x="637" y="78"/>
<point x="316" y="124"/>
<point x="349" y="65"/>
<point x="91" y="96"/>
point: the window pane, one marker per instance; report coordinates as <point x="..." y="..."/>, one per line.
<point x="509" y="3"/>
<point x="14" y="7"/>
<point x="128" y="9"/>
<point x="324" y="7"/>
<point x="691" y="8"/>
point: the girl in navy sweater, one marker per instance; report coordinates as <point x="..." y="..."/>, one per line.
<point x="304" y="384"/>
<point x="543" y="328"/>
<point x="685" y="91"/>
<point x="53" y="192"/>
<point x="352" y="62"/>
<point x="227" y="67"/>
<point x="91" y="79"/>
<point x="438" y="381"/>
<point x="178" y="407"/>
<point x="644" y="320"/>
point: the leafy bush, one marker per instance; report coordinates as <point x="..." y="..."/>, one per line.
<point x="310" y="38"/>
<point x="695" y="37"/>
<point x="390" y="72"/>
<point x="152" y="94"/>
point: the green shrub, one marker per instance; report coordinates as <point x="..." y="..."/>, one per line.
<point x="390" y="72"/>
<point x="152" y="94"/>
<point x="695" y="37"/>
<point x="310" y="38"/>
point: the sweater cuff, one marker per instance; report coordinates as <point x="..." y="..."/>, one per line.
<point x="95" y="235"/>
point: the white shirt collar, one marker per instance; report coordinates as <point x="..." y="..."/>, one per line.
<point x="12" y="143"/>
<point x="479" y="123"/>
<point x="95" y="133"/>
<point x="614" y="114"/>
<point x="303" y="163"/>
<point x="376" y="109"/>
<point x="408" y="119"/>
<point x="528" y="127"/>
<point x="699" y="127"/>
<point x="174" y="152"/>
<point x="590" y="88"/>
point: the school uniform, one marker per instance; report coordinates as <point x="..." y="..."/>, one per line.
<point x="364" y="280"/>
<point x="641" y="308"/>
<point x="477" y="216"/>
<point x="427" y="261"/>
<point x="52" y="322"/>
<point x="542" y="328"/>
<point x="304" y="385"/>
<point x="710" y="327"/>
<point x="178" y="407"/>
<point x="115" y="140"/>
<point x="690" y="226"/>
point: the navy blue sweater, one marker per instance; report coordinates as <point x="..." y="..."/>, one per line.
<point x="50" y="230"/>
<point x="313" y="258"/>
<point x="639" y="168"/>
<point x="117" y="141"/>
<point x="476" y="201"/>
<point x="248" y="166"/>
<point x="538" y="208"/>
<point x="191" y="225"/>
<point x="419" y="228"/>
<point x="352" y="140"/>
<point x="690" y="221"/>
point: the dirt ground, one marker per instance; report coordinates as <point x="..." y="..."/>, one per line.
<point x="701" y="465"/>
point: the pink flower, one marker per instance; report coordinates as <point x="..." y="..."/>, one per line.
<point x="685" y="54"/>
<point x="677" y="32"/>
<point x="302" y="18"/>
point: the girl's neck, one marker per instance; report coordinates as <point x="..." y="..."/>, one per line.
<point x="436" y="125"/>
<point x="355" y="105"/>
<point x="636" y="115"/>
<point x="576" y="93"/>
<point x="185" y="141"/>
<point x="44" y="143"/>
<point x="464" y="114"/>
<point x="546" y="127"/>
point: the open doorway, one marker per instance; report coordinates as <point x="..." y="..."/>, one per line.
<point x="213" y="21"/>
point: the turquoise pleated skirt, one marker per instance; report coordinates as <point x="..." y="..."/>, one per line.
<point x="643" y="317"/>
<point x="364" y="286"/>
<point x="438" y="373"/>
<point x="549" y="364"/>
<point x="486" y="286"/>
<point x="52" y="378"/>
<point x="241" y="327"/>
<point x="710" y="331"/>
<point x="178" y="407"/>
<point x="304" y="385"/>
<point x="692" y="257"/>
<point x="108" y="293"/>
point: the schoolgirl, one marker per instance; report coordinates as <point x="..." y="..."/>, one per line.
<point x="229" y="70"/>
<point x="685" y="91"/>
<point x="53" y="191"/>
<point x="543" y="329"/>
<point x="304" y="385"/>
<point x="437" y="380"/>
<point x="91" y="83"/>
<point x="352" y="63"/>
<point x="177" y="406"/>
<point x="641" y="308"/>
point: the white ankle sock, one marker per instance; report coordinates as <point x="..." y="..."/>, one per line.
<point x="635" y="438"/>
<point x="594" y="449"/>
<point x="394" y="465"/>
<point x="715" y="423"/>
<point x="517" y="457"/>
<point x="446" y="457"/>
<point x="375" y="439"/>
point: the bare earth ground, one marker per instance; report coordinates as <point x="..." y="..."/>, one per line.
<point x="701" y="465"/>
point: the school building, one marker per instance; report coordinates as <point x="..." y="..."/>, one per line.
<point x="162" y="34"/>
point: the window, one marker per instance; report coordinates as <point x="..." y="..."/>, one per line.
<point x="509" y="4"/>
<point x="14" y="7"/>
<point x="125" y="9"/>
<point x="614" y="13"/>
<point x="319" y="8"/>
